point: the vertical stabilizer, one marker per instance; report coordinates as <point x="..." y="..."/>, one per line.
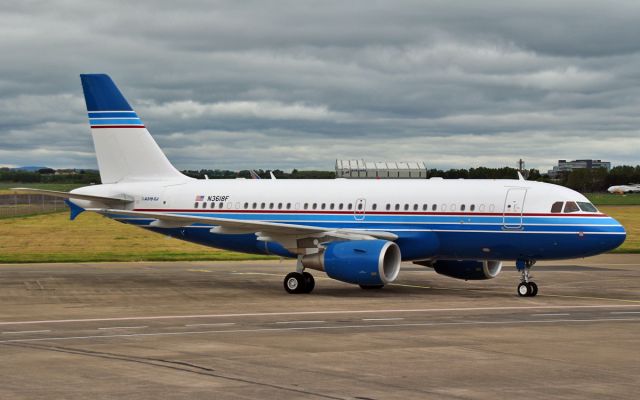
<point x="124" y="147"/>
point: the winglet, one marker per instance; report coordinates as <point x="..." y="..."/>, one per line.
<point x="74" y="209"/>
<point x="520" y="177"/>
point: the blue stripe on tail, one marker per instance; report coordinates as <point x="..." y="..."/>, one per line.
<point x="101" y="94"/>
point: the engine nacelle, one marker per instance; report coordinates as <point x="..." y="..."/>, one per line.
<point x="468" y="269"/>
<point x="362" y="262"/>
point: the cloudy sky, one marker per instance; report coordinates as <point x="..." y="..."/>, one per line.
<point x="297" y="84"/>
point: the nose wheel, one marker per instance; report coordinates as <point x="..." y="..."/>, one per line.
<point x="527" y="287"/>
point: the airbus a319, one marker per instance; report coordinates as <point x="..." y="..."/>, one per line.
<point x="355" y="231"/>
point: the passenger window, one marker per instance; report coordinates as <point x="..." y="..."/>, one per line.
<point x="331" y="206"/>
<point x="415" y="207"/>
<point x="306" y="206"/>
<point x="443" y="207"/>
<point x="397" y="207"/>
<point x="246" y="205"/>
<point x="229" y="205"/>
<point x="425" y="207"/>
<point x="388" y="207"/>
<point x="482" y="207"/>
<point x="315" y="205"/>
<point x="557" y="207"/>
<point x="359" y="206"/>
<point x="462" y="207"/>
<point x="571" y="207"/>
<point x="262" y="205"/>
<point x="587" y="207"/>
<point x="434" y="207"/>
<point x="453" y="207"/>
<point x="406" y="207"/>
<point x="195" y="205"/>
<point x="204" y="205"/>
<point x="323" y="206"/>
<point x="288" y="206"/>
<point x="349" y="206"/>
<point x="472" y="207"/>
<point x="271" y="206"/>
<point x="279" y="206"/>
<point x="213" y="205"/>
<point x="340" y="206"/>
<point x="254" y="205"/>
<point x="374" y="206"/>
<point x="221" y="205"/>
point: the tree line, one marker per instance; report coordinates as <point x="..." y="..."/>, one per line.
<point x="583" y="180"/>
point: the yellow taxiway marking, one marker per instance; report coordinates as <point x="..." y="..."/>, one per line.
<point x="198" y="270"/>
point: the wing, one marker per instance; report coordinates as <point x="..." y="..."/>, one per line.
<point x="291" y="236"/>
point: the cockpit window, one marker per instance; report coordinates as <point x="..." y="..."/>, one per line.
<point x="557" y="207"/>
<point x="571" y="207"/>
<point x="587" y="207"/>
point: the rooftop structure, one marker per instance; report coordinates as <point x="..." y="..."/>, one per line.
<point x="380" y="170"/>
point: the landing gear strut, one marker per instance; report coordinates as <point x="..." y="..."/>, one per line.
<point x="527" y="287"/>
<point x="299" y="281"/>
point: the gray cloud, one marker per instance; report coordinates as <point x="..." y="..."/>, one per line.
<point x="296" y="84"/>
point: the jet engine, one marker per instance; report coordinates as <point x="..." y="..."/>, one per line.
<point x="467" y="269"/>
<point x="362" y="262"/>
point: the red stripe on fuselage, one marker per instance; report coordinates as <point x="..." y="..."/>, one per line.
<point x="327" y="212"/>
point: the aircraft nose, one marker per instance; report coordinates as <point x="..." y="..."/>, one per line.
<point x="619" y="236"/>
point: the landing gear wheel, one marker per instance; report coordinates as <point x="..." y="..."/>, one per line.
<point x="524" y="290"/>
<point x="295" y="282"/>
<point x="310" y="283"/>
<point x="534" y="289"/>
<point x="371" y="287"/>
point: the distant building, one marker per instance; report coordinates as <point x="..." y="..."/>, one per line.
<point x="380" y="170"/>
<point x="568" y="166"/>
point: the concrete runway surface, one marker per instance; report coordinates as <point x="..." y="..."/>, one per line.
<point x="227" y="330"/>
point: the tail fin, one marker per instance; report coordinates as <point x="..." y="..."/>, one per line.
<point x="124" y="148"/>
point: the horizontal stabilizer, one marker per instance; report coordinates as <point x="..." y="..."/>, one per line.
<point x="78" y="196"/>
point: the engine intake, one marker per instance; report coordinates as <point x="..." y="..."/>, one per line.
<point x="362" y="262"/>
<point x="467" y="269"/>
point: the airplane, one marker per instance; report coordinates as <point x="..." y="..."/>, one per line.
<point x="355" y="231"/>
<point x="622" y="189"/>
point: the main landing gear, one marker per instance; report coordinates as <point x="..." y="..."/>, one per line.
<point x="299" y="281"/>
<point x="527" y="287"/>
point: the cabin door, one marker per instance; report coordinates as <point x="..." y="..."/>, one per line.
<point x="513" y="208"/>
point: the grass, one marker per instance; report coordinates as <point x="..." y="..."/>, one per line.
<point x="53" y="238"/>
<point x="608" y="199"/>
<point x="629" y="217"/>
<point x="64" y="187"/>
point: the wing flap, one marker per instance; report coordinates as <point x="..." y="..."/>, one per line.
<point x="78" y="196"/>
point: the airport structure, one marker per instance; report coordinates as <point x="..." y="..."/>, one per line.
<point x="380" y="169"/>
<point x="568" y="166"/>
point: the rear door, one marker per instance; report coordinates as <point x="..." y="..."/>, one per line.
<point x="513" y="208"/>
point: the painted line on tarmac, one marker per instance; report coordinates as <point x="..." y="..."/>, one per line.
<point x="122" y="327"/>
<point x="215" y="324"/>
<point x="18" y="332"/>
<point x="550" y="315"/>
<point x="625" y="312"/>
<point x="333" y="327"/>
<point x="325" y="312"/>
<point x="382" y="319"/>
<point x="300" y="322"/>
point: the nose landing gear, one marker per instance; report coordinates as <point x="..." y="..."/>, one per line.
<point x="527" y="287"/>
